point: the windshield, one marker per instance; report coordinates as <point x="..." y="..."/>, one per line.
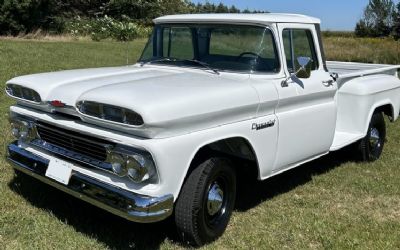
<point x="223" y="47"/>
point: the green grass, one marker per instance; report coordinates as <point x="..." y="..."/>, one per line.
<point x="333" y="203"/>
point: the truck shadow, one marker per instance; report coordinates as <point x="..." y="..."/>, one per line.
<point x="251" y="193"/>
<point x="117" y="233"/>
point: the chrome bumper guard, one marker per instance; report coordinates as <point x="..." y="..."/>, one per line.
<point x="131" y="206"/>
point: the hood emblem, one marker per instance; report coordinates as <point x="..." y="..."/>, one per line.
<point x="57" y="103"/>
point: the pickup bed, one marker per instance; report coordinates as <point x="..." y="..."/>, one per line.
<point x="210" y="94"/>
<point x="346" y="74"/>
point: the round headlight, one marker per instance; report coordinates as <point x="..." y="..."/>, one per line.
<point x="128" y="163"/>
<point x="137" y="169"/>
<point x="15" y="132"/>
<point x="21" y="130"/>
<point x="117" y="162"/>
<point x="15" y="128"/>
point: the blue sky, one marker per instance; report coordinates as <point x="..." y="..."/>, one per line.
<point x="334" y="14"/>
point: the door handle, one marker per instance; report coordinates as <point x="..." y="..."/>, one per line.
<point x="328" y="83"/>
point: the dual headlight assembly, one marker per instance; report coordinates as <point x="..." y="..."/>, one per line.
<point x="138" y="167"/>
<point x="124" y="161"/>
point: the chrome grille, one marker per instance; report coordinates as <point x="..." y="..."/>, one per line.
<point x="74" y="141"/>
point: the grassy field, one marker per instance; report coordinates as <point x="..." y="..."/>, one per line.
<point x="369" y="50"/>
<point x="331" y="203"/>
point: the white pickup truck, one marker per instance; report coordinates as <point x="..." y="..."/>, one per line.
<point x="167" y="135"/>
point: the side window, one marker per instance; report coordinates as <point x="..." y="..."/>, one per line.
<point x="299" y="42"/>
<point x="178" y="43"/>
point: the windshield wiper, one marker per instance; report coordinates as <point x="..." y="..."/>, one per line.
<point x="204" y="64"/>
<point x="171" y="59"/>
<point x="165" y="59"/>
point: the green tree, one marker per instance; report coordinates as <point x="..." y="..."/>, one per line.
<point x="221" y="8"/>
<point x="377" y="19"/>
<point x="20" y="16"/>
<point x="140" y="10"/>
<point x="209" y="8"/>
<point x="396" y="22"/>
<point x="233" y="9"/>
<point x="362" y="30"/>
<point x="23" y="16"/>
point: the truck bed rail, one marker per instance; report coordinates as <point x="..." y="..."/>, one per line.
<point x="347" y="70"/>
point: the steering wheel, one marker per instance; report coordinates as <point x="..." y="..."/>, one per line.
<point x="247" y="53"/>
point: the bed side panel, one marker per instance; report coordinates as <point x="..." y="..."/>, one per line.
<point x="359" y="97"/>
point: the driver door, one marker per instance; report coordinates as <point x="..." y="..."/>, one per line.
<point x="307" y="108"/>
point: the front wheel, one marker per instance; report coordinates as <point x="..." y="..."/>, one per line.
<point x="205" y="205"/>
<point x="371" y="146"/>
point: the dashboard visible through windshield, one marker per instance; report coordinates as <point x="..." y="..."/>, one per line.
<point x="240" y="48"/>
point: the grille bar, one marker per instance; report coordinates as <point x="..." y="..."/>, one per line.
<point x="74" y="141"/>
<point x="53" y="135"/>
<point x="89" y="151"/>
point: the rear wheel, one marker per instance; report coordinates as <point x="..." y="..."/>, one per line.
<point x="371" y="146"/>
<point x="205" y="204"/>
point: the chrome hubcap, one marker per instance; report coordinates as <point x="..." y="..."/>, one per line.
<point x="374" y="138"/>
<point x="214" y="199"/>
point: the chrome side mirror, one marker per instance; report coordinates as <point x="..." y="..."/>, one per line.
<point x="303" y="72"/>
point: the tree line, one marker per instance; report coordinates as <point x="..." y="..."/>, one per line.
<point x="381" y="18"/>
<point x="24" y="16"/>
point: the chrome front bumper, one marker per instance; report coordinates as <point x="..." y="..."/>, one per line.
<point x="131" y="206"/>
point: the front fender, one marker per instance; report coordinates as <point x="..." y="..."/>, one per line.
<point x="174" y="155"/>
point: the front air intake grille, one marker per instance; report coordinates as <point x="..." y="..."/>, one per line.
<point x="23" y="93"/>
<point x="74" y="141"/>
<point x="110" y="113"/>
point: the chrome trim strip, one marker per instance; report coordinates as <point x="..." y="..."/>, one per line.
<point x="128" y="205"/>
<point x="71" y="155"/>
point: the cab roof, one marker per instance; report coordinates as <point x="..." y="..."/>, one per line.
<point x="263" y="18"/>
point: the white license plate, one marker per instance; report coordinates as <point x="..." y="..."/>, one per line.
<point x="59" y="170"/>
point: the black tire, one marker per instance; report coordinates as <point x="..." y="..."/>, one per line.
<point x="197" y="221"/>
<point x="371" y="146"/>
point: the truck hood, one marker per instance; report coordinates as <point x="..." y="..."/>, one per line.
<point x="170" y="100"/>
